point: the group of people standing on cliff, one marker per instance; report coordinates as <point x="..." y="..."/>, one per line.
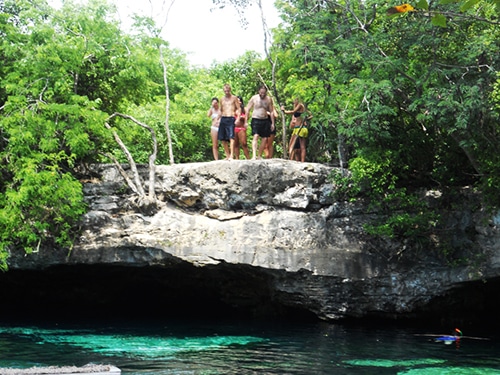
<point x="230" y="118"/>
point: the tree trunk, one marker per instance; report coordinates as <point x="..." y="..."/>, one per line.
<point x="167" y="107"/>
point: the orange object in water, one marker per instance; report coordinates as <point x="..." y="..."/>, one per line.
<point x="403" y="8"/>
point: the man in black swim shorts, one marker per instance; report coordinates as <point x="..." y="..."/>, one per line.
<point x="230" y="110"/>
<point x="262" y="123"/>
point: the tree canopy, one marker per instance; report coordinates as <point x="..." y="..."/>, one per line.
<point x="404" y="95"/>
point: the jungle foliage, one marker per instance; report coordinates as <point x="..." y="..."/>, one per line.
<point x="405" y="100"/>
<point x="410" y="100"/>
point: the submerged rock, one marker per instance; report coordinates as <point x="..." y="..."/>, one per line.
<point x="63" y="370"/>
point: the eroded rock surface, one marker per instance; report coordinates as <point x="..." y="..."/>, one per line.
<point x="276" y="221"/>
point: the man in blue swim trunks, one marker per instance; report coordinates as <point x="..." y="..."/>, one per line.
<point x="262" y="122"/>
<point x="229" y="112"/>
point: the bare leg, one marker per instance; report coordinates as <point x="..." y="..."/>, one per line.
<point x="302" y="149"/>
<point x="291" y="146"/>
<point x="215" y="144"/>
<point x="226" y="149"/>
<point x="242" y="135"/>
<point x="236" y="148"/>
<point x="255" y="142"/>
<point x="269" y="151"/>
<point x="296" y="150"/>
<point x="231" y="156"/>
<point x="263" y="145"/>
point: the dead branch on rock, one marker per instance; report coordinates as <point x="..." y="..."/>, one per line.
<point x="136" y="185"/>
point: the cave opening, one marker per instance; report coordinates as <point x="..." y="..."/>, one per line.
<point x="86" y="292"/>
<point x="223" y="291"/>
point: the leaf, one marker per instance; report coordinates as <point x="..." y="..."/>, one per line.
<point x="423" y="4"/>
<point x="497" y="4"/>
<point x="439" y="20"/>
<point x="468" y="4"/>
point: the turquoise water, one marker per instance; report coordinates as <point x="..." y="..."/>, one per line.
<point x="192" y="347"/>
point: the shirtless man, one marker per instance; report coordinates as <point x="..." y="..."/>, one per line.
<point x="262" y="123"/>
<point x="229" y="111"/>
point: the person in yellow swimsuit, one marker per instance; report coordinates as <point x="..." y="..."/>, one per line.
<point x="299" y="129"/>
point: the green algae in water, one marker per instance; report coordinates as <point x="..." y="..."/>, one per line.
<point x="125" y="345"/>
<point x="149" y="346"/>
<point x="394" y="363"/>
<point x="451" y="371"/>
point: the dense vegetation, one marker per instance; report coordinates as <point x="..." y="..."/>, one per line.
<point x="405" y="100"/>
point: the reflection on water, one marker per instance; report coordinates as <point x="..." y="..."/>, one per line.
<point x="215" y="348"/>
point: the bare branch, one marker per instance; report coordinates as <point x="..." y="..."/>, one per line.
<point x="167" y="107"/>
<point x="152" y="156"/>
<point x="166" y="13"/>
<point x="273" y="63"/>
<point x="463" y="16"/>
<point x="130" y="159"/>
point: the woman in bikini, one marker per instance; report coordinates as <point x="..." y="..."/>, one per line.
<point x="299" y="130"/>
<point x="240" y="137"/>
<point x="214" y="114"/>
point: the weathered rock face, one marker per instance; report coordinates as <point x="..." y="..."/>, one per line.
<point x="262" y="236"/>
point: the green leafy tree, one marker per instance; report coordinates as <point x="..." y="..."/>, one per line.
<point x="396" y="83"/>
<point x="408" y="101"/>
<point x="47" y="128"/>
<point x="66" y="72"/>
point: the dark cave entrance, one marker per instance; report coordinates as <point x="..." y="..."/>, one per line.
<point x="224" y="291"/>
<point x="114" y="292"/>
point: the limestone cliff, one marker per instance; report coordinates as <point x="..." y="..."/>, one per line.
<point x="267" y="236"/>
